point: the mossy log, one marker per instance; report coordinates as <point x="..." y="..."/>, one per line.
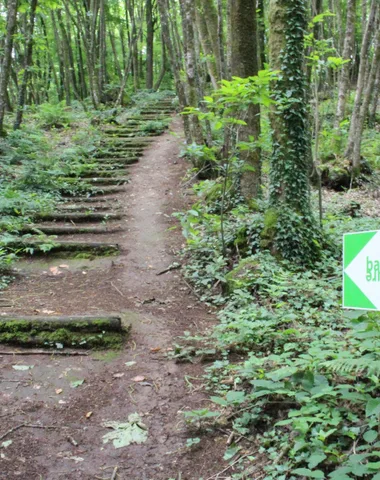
<point x="70" y="230"/>
<point x="79" y="217"/>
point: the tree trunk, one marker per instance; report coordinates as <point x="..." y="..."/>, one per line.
<point x="369" y="89"/>
<point x="344" y="76"/>
<point x="27" y="65"/>
<point x="206" y="44"/>
<point x="175" y="64"/>
<point x="244" y="63"/>
<point x="149" y="44"/>
<point x="261" y="34"/>
<point x="191" y="66"/>
<point x="290" y="228"/>
<point x="354" y="135"/>
<point x="375" y="100"/>
<point x="7" y="59"/>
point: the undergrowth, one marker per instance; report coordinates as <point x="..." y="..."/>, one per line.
<point x="41" y="162"/>
<point x="294" y="377"/>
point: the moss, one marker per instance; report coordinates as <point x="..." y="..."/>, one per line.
<point x="241" y="276"/>
<point x="65" y="338"/>
<point x="269" y="230"/>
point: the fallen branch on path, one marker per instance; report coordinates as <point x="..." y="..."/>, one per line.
<point x="27" y="425"/>
<point x="174" y="266"/>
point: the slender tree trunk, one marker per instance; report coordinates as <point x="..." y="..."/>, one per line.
<point x="206" y="44"/>
<point x="344" y="76"/>
<point x="7" y="59"/>
<point x="27" y="65"/>
<point x="149" y="44"/>
<point x="375" y="99"/>
<point x="163" y="66"/>
<point x="175" y="64"/>
<point x="364" y="109"/>
<point x="223" y="70"/>
<point x="191" y="66"/>
<point x="102" y="50"/>
<point x="354" y="136"/>
<point x="244" y="57"/>
<point x="261" y="33"/>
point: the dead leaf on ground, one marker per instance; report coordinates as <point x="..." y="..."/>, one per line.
<point x="139" y="378"/>
<point x="55" y="270"/>
<point x="118" y="375"/>
<point x="58" y="391"/>
<point x="155" y="350"/>
<point x="88" y="414"/>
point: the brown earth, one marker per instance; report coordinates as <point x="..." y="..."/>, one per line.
<point x="160" y="308"/>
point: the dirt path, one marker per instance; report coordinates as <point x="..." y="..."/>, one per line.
<point x="159" y="309"/>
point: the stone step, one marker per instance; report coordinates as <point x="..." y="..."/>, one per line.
<point x="70" y="230"/>
<point x="79" y="217"/>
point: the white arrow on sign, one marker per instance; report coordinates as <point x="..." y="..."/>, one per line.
<point x="358" y="271"/>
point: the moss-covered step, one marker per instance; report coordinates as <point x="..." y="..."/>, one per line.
<point x="96" y="180"/>
<point x="88" y="208"/>
<point x="63" y="332"/>
<point x="118" y="162"/>
<point x="127" y="154"/>
<point x="65" y="246"/>
<point x="79" y="217"/>
<point x="70" y="229"/>
<point x="104" y="173"/>
<point x="73" y="323"/>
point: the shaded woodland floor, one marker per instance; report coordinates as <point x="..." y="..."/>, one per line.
<point x="159" y="308"/>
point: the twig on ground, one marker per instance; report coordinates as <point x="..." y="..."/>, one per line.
<point x="192" y="289"/>
<point x="27" y="425"/>
<point x="229" y="466"/>
<point x="175" y="266"/>
<point x="114" y="474"/>
<point x="115" y="287"/>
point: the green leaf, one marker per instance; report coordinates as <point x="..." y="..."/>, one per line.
<point x="219" y="401"/>
<point x="76" y="383"/>
<point x="373" y="407"/>
<point x="235" y="397"/>
<point x="315" y="459"/>
<point x="305" y="472"/>
<point x="124" y="434"/>
<point x="370" y="436"/>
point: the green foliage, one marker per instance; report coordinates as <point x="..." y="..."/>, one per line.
<point x="293" y="373"/>
<point x="53" y="115"/>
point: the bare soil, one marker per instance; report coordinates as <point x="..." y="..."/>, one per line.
<point x="159" y="308"/>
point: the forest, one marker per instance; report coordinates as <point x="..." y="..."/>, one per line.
<point x="180" y="182"/>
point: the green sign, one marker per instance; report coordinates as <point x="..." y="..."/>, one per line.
<point x="361" y="271"/>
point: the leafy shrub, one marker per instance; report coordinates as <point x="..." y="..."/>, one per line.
<point x="53" y="115"/>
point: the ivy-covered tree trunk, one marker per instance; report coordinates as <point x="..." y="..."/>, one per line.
<point x="7" y="59"/>
<point x="244" y="63"/>
<point x="290" y="228"/>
